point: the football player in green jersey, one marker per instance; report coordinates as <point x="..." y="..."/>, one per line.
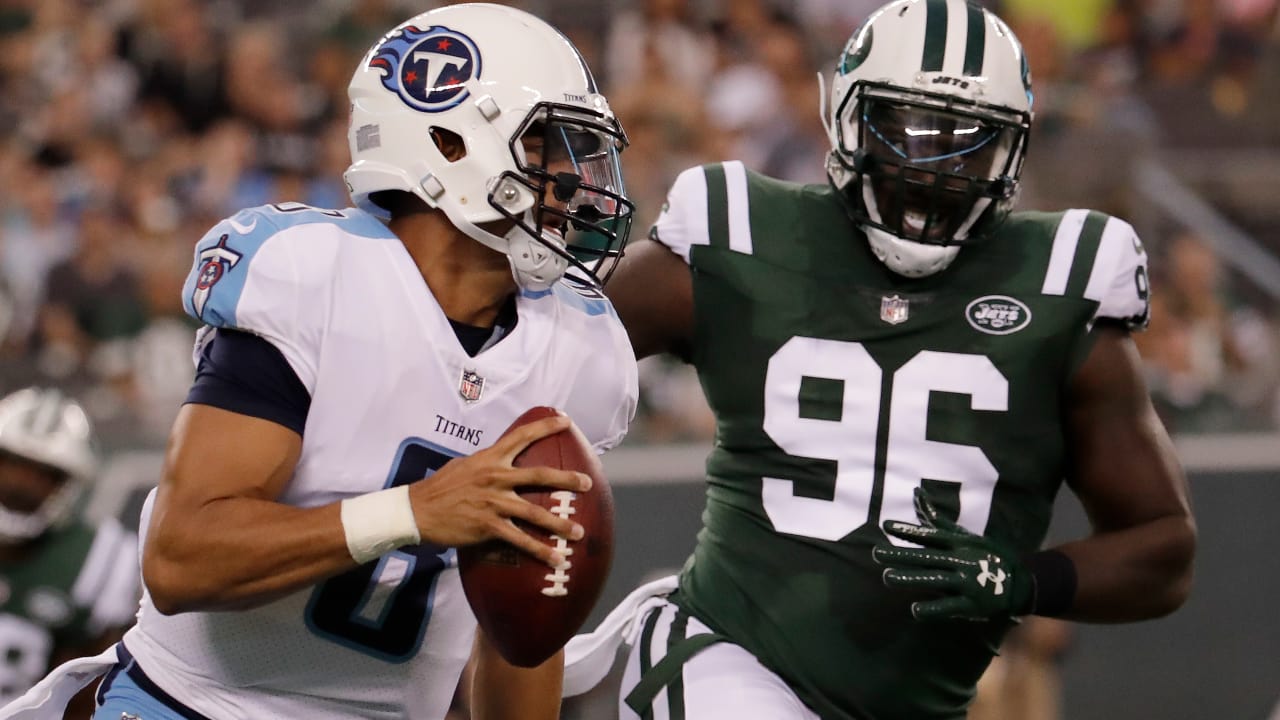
<point x="66" y="589"/>
<point x="904" y="373"/>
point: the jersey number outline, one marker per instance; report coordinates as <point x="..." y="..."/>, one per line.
<point x="382" y="608"/>
<point x="26" y="649"/>
<point x="850" y="440"/>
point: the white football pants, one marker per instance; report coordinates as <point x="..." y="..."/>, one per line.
<point x="721" y="682"/>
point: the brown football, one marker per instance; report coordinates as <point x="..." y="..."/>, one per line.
<point x="527" y="609"/>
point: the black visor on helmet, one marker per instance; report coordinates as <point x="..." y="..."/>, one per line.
<point x="930" y="174"/>
<point x="569" y="157"/>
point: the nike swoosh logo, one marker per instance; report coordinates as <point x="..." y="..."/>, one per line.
<point x="242" y="229"/>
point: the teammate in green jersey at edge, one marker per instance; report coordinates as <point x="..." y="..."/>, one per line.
<point x="903" y="374"/>
<point x="66" y="588"/>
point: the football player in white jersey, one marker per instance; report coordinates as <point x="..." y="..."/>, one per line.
<point x="67" y="587"/>
<point x="356" y="373"/>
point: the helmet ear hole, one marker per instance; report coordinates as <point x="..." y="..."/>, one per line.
<point x="449" y="143"/>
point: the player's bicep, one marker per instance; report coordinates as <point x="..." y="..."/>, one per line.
<point x="215" y="453"/>
<point x="652" y="290"/>
<point x="1125" y="471"/>
<point x="240" y="432"/>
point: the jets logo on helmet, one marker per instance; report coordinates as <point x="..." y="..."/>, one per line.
<point x="429" y="69"/>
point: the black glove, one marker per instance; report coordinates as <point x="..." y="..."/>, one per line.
<point x="974" y="577"/>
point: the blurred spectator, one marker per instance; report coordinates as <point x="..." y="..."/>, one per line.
<point x="795" y="146"/>
<point x="177" y="112"/>
<point x="668" y="130"/>
<point x="1023" y="680"/>
<point x="182" y="65"/>
<point x="1212" y="366"/>
<point x="34" y="237"/>
<point x="1078" y="23"/>
<point x="92" y="298"/>
<point x="657" y="36"/>
<point x="829" y="23"/>
<point x="673" y="406"/>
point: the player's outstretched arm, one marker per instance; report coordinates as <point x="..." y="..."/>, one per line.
<point x="220" y="539"/>
<point x="652" y="290"/>
<point x="502" y="691"/>
<point x="1137" y="564"/>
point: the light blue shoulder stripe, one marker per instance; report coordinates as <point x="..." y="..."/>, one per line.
<point x="593" y="304"/>
<point x="223" y="257"/>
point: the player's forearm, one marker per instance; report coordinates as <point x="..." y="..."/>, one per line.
<point x="241" y="552"/>
<point x="502" y="691"/>
<point x="1137" y="573"/>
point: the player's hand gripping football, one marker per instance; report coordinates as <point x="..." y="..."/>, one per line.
<point x="971" y="576"/>
<point x="472" y="499"/>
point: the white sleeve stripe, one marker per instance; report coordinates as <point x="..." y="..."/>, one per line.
<point x="739" y="208"/>
<point x="699" y="225"/>
<point x="118" y="601"/>
<point x="98" y="563"/>
<point x="1064" y="252"/>
<point x="1113" y="242"/>
<point x="683" y="222"/>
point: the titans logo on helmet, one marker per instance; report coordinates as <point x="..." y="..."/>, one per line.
<point x="429" y="69"/>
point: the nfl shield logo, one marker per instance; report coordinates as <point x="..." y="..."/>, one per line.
<point x="894" y="310"/>
<point x="471" y="386"/>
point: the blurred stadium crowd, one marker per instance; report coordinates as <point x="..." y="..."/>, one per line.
<point x="132" y="126"/>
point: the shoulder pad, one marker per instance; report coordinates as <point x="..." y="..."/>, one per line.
<point x="1100" y="258"/>
<point x="682" y="223"/>
<point x="582" y="299"/>
<point x="253" y="272"/>
<point x="1119" y="281"/>
<point x="230" y="254"/>
<point x="707" y="205"/>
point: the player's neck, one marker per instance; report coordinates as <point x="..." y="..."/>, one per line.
<point x="470" y="282"/>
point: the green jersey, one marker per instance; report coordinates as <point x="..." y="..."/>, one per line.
<point x="839" y="387"/>
<point x="74" y="584"/>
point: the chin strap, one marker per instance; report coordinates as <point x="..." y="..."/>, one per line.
<point x="535" y="266"/>
<point x="908" y="258"/>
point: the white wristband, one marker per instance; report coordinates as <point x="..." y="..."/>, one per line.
<point x="378" y="523"/>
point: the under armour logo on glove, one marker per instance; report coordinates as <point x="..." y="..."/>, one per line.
<point x="996" y="578"/>
<point x="965" y="574"/>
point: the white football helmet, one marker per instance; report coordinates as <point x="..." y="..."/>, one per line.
<point x="929" y="116"/>
<point x="494" y="78"/>
<point x="45" y="427"/>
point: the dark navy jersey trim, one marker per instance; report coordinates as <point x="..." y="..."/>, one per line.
<point x="131" y="668"/>
<point x="246" y="374"/>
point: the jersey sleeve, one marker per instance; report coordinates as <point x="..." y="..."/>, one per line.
<point x="682" y="223"/>
<point x="1118" y="281"/>
<point x="606" y="387"/>
<point x="249" y="275"/>
<point x="617" y="407"/>
<point x="110" y="584"/>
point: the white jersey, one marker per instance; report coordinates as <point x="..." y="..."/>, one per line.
<point x="393" y="397"/>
